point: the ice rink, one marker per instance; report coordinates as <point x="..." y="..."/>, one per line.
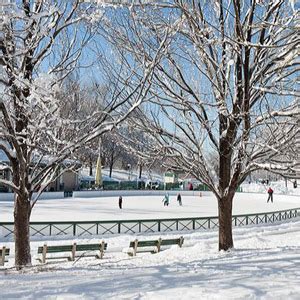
<point x="146" y="207"/>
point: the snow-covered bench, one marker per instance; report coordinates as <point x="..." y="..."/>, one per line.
<point x="3" y="253"/>
<point x="153" y="246"/>
<point x="83" y="249"/>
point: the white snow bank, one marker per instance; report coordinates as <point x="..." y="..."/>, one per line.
<point x="121" y="175"/>
<point x="43" y="196"/>
<point x="279" y="187"/>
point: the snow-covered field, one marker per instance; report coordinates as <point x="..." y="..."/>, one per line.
<point x="146" y="207"/>
<point x="264" y="265"/>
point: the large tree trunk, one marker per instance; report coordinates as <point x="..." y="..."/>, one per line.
<point x="226" y="196"/>
<point x="225" y="223"/>
<point x="140" y="170"/>
<point x="22" y="212"/>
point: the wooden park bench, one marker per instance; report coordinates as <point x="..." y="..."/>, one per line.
<point x="3" y="253"/>
<point x="89" y="250"/>
<point x="154" y="246"/>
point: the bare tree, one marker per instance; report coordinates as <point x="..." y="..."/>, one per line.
<point x="82" y="100"/>
<point x="126" y="146"/>
<point x="224" y="89"/>
<point x="138" y="143"/>
<point x="111" y="151"/>
<point x="40" y="45"/>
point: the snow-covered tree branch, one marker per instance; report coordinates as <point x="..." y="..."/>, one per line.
<point x="41" y="43"/>
<point x="227" y="88"/>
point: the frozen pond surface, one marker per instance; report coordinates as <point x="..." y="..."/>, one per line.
<point x="146" y="207"/>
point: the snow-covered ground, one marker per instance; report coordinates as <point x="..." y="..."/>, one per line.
<point x="120" y="175"/>
<point x="279" y="187"/>
<point x="265" y="264"/>
<point x="146" y="207"/>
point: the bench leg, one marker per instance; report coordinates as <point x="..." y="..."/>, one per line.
<point x="2" y="256"/>
<point x="101" y="249"/>
<point x="158" y="245"/>
<point x="181" y="241"/>
<point x="44" y="253"/>
<point x="135" y="247"/>
<point x="73" y="252"/>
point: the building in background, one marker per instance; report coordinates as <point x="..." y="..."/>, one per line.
<point x="170" y="177"/>
<point x="68" y="181"/>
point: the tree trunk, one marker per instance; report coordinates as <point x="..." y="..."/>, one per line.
<point x="22" y="212"/>
<point x="140" y="171"/>
<point x="225" y="223"/>
<point x="110" y="170"/>
<point x="111" y="163"/>
<point x="226" y="189"/>
<point x="91" y="166"/>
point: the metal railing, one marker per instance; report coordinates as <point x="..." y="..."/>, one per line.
<point x="83" y="228"/>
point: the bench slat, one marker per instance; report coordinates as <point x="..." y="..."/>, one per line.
<point x="144" y="243"/>
<point x="170" y="242"/>
<point x="64" y="248"/>
<point x="91" y="247"/>
<point x="54" y="249"/>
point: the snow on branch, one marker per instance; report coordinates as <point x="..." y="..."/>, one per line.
<point x="227" y="79"/>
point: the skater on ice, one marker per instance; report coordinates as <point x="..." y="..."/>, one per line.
<point x="120" y="202"/>
<point x="270" y="192"/>
<point x="179" y="199"/>
<point x="166" y="200"/>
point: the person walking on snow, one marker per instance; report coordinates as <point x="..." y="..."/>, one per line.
<point x="179" y="199"/>
<point x="270" y="192"/>
<point x="166" y="200"/>
<point x="120" y="202"/>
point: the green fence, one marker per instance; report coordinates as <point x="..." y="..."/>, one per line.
<point x="202" y="187"/>
<point x="144" y="226"/>
<point x="123" y="185"/>
<point x="140" y="185"/>
<point x="133" y="185"/>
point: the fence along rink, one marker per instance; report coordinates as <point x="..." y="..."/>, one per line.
<point x="86" y="228"/>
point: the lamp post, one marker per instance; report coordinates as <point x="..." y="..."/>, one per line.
<point x="129" y="170"/>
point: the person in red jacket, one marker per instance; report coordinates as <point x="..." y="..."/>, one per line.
<point x="270" y="192"/>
